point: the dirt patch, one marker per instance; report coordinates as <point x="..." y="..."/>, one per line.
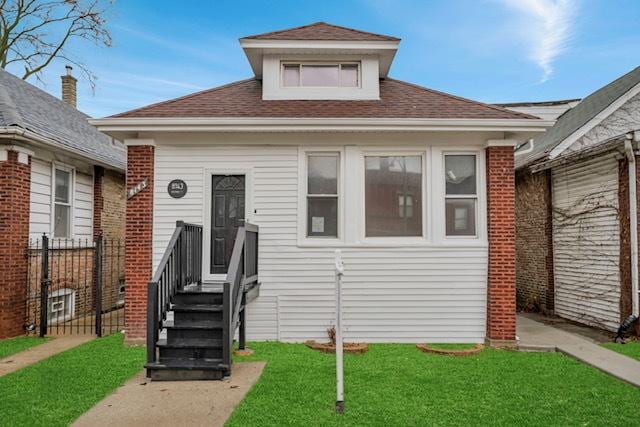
<point x="451" y="352"/>
<point x="353" y="348"/>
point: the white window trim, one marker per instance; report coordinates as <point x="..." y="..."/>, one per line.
<point x="338" y="63"/>
<point x="424" y="238"/>
<point x="72" y="198"/>
<point x="480" y="196"/>
<point x="303" y="155"/>
<point x="352" y="198"/>
<point x="206" y="229"/>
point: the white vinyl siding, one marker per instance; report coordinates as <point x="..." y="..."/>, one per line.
<point x="428" y="293"/>
<point x="83" y="206"/>
<point x="586" y="242"/>
<point x="40" y="216"/>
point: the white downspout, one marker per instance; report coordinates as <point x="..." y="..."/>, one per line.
<point x="633" y="221"/>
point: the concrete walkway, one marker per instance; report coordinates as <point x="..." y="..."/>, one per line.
<point x="40" y="352"/>
<point x="536" y="336"/>
<point x="173" y="403"/>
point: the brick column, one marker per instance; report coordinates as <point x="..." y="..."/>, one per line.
<point x="98" y="200"/>
<point x="637" y="325"/>
<point x="139" y="235"/>
<point x="15" y="191"/>
<point x="501" y="280"/>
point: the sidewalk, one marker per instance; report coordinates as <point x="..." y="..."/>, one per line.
<point x="40" y="352"/>
<point x="173" y="403"/>
<point x="536" y="336"/>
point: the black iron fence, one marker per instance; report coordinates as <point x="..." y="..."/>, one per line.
<point x="75" y="286"/>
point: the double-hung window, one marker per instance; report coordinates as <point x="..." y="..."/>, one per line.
<point x="322" y="194"/>
<point x="461" y="194"/>
<point x="62" y="210"/>
<point x="393" y="196"/>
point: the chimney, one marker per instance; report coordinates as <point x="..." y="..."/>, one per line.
<point x="69" y="87"/>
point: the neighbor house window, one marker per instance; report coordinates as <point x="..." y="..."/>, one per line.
<point x="63" y="179"/>
<point x="393" y="196"/>
<point x="461" y="194"/>
<point x="322" y="194"/>
<point x="320" y="75"/>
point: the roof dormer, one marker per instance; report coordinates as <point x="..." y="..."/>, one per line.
<point x="320" y="61"/>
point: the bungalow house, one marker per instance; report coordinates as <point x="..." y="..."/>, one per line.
<point x="61" y="178"/>
<point x="322" y="150"/>
<point x="576" y="210"/>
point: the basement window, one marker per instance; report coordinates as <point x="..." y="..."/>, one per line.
<point x="461" y="194"/>
<point x="61" y="305"/>
<point x="321" y="75"/>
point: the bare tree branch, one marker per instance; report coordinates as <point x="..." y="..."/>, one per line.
<point x="33" y="33"/>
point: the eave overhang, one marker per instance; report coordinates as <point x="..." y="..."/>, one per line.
<point x="129" y="127"/>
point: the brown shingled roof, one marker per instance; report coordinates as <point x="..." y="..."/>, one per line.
<point x="322" y="31"/>
<point x="398" y="99"/>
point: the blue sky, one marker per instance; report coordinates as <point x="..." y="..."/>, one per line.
<point x="488" y="50"/>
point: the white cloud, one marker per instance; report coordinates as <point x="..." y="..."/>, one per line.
<point x="547" y="27"/>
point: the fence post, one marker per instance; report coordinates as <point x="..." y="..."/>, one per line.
<point x="97" y="282"/>
<point x="44" y="286"/>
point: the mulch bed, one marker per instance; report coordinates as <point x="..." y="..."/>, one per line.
<point x="354" y="348"/>
<point x="450" y="352"/>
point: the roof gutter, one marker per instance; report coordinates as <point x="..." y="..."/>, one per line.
<point x="235" y="124"/>
<point x="607" y="145"/>
<point x="20" y="134"/>
<point x="633" y="220"/>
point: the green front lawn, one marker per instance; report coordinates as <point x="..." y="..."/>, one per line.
<point x="400" y="385"/>
<point x="16" y="345"/>
<point x="59" y="389"/>
<point x="631" y="349"/>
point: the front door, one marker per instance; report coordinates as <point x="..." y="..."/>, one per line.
<point x="227" y="214"/>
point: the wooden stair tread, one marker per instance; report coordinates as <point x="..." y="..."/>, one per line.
<point x="203" y="308"/>
<point x="192" y="343"/>
<point x="202" y="324"/>
<point x="188" y="364"/>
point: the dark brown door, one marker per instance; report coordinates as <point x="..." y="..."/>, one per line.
<point x="227" y="214"/>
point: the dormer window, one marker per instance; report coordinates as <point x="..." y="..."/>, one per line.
<point x="321" y="74"/>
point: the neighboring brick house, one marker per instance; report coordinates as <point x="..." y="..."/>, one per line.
<point x="575" y="228"/>
<point x="58" y="177"/>
<point x="305" y="144"/>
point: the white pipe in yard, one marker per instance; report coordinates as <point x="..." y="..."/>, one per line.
<point x="633" y="222"/>
<point x="339" y="365"/>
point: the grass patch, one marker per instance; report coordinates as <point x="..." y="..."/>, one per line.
<point x="400" y="385"/>
<point x="57" y="390"/>
<point x="631" y="349"/>
<point x="16" y="345"/>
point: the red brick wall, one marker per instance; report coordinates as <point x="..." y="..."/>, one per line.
<point x="637" y="327"/>
<point x="15" y="188"/>
<point x="115" y="201"/>
<point x="501" y="282"/>
<point x="534" y="242"/>
<point x="139" y="234"/>
<point x="98" y="200"/>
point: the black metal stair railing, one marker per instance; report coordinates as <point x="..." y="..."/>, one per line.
<point x="181" y="265"/>
<point x="242" y="274"/>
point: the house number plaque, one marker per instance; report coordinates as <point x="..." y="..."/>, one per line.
<point x="177" y="188"/>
